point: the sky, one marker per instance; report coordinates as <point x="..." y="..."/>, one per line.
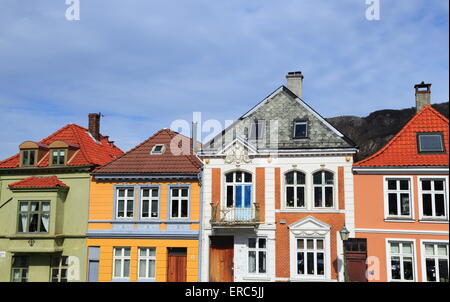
<point x="146" y="63"/>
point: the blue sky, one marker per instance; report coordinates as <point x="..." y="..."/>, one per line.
<point x="145" y="63"/>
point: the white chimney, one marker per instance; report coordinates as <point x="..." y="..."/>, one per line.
<point x="423" y="95"/>
<point x="294" y="82"/>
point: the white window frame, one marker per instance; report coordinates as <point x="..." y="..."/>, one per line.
<point x="122" y="259"/>
<point x="150" y="200"/>
<point x="388" y="259"/>
<point x="295" y="185"/>
<point x="147" y="258"/>
<point x="256" y="249"/>
<point x="315" y="251"/>
<point x="163" y="149"/>
<point x="386" y="198"/>
<point x="295" y="126"/>
<point x="259" y="135"/>
<point x="323" y="186"/>
<point x="180" y="198"/>
<point x="446" y="198"/>
<point x="126" y="199"/>
<point x="233" y="184"/>
<point x="424" y="256"/>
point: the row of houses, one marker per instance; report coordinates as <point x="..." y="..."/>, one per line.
<point x="276" y="196"/>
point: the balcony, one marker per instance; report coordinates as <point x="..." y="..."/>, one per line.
<point x="235" y="217"/>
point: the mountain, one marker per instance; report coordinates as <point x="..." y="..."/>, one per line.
<point x="372" y="132"/>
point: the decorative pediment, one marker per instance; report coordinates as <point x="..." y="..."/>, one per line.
<point x="238" y="152"/>
<point x="309" y="226"/>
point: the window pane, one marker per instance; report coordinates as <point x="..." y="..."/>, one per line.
<point x="127" y="251"/>
<point x="175" y="208"/>
<point x="117" y="252"/>
<point x="34" y="220"/>
<point x="121" y="193"/>
<point x="32" y="153"/>
<point x="129" y="208"/>
<point x="392" y="197"/>
<point x="252" y="262"/>
<point x="238" y="176"/>
<point x="392" y="184"/>
<point x="439" y="204"/>
<point x="320" y="264"/>
<point x="443" y="270"/>
<point x="262" y="243"/>
<point x="229" y="177"/>
<point x="300" y="178"/>
<point x="154" y="192"/>
<point x="142" y="252"/>
<point x="430" y="142"/>
<point x="300" y="197"/>
<point x="319" y="244"/>
<point x="175" y="192"/>
<point x="120" y="210"/>
<point x="252" y="242"/>
<point x="151" y="268"/>
<point x="310" y="263"/>
<point x="248" y="177"/>
<point x="317" y="178"/>
<point x="290" y="178"/>
<point x="404" y="199"/>
<point x="300" y="244"/>
<point x="426" y="205"/>
<point x="262" y="262"/>
<point x="395" y="248"/>
<point x="395" y="268"/>
<point x="408" y="268"/>
<point x="130" y="192"/>
<point x="431" y="269"/>
<point x="145" y="208"/>
<point x="300" y="129"/>
<point x="145" y="193"/>
<point x="229" y="196"/>
<point x="154" y="208"/>
<point x="439" y="185"/>
<point x="24" y="206"/>
<point x="407" y="248"/>
<point x="289" y="196"/>
<point x="329" y="178"/>
<point x="318" y="197"/>
<point x="142" y="269"/>
<point x="404" y="184"/>
<point x="184" y="208"/>
<point x="310" y="244"/>
<point x="426" y="185"/>
<point x="23" y="223"/>
<point x="328" y="197"/>
<point x="300" y="263"/>
<point x="126" y="268"/>
<point x="184" y="192"/>
<point x="152" y="252"/>
<point x="442" y="250"/>
<point x="117" y="268"/>
<point x="429" y="249"/>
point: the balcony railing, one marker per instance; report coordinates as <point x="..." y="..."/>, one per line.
<point x="232" y="216"/>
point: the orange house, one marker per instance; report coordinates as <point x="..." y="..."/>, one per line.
<point x="402" y="200"/>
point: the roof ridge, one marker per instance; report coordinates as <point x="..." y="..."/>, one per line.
<point x="404" y="128"/>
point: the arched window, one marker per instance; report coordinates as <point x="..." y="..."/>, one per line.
<point x="238" y="189"/>
<point x="323" y="183"/>
<point x="295" y="189"/>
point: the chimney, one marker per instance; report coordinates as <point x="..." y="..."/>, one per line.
<point x="94" y="125"/>
<point x="423" y="95"/>
<point x="294" y="82"/>
<point x="194" y="137"/>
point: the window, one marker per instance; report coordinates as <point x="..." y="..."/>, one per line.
<point x="34" y="217"/>
<point x="238" y="189"/>
<point x="158" y="149"/>
<point x="401" y="260"/>
<point x="430" y="142"/>
<point x="28" y="157"/>
<point x="58" y="157"/>
<point x="436" y="262"/>
<point x="147" y="263"/>
<point x="149" y="202"/>
<point x="323" y="182"/>
<point x="257" y="255"/>
<point x="295" y="189"/>
<point x="179" y="202"/>
<point x="59" y="268"/>
<point x="310" y="257"/>
<point x="121" y="264"/>
<point x="433" y="198"/>
<point x="398" y="198"/>
<point x="300" y="129"/>
<point x="257" y="130"/>
<point x="19" y="269"/>
<point x="125" y="203"/>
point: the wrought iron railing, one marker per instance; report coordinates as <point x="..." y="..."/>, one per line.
<point x="234" y="215"/>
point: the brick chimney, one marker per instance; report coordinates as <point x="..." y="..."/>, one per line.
<point x="94" y="125"/>
<point x="423" y="95"/>
<point x="294" y="82"/>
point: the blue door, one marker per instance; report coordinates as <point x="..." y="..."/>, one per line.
<point x="243" y="206"/>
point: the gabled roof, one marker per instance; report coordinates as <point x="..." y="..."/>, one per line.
<point x="38" y="182"/>
<point x="139" y="160"/>
<point x="402" y="149"/>
<point x="91" y="152"/>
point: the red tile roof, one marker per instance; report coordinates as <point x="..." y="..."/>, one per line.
<point x="139" y="159"/>
<point x="38" y="182"/>
<point x="90" y="151"/>
<point x="402" y="149"/>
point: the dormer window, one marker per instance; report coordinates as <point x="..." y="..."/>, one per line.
<point x="430" y="142"/>
<point x="58" y="157"/>
<point x="257" y="130"/>
<point x="157" y="149"/>
<point x="28" y="157"/>
<point x="300" y="129"/>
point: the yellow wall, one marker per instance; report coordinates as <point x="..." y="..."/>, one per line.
<point x="161" y="245"/>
